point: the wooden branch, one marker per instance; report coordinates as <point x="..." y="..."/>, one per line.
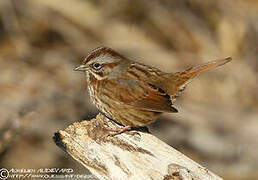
<point x="124" y="156"/>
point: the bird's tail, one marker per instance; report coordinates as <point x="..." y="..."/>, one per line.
<point x="179" y="80"/>
<point x="193" y="71"/>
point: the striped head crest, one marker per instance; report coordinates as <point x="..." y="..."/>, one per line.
<point x="101" y="62"/>
<point x="100" y="52"/>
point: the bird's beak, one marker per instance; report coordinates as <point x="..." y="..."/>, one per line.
<point x="82" y="67"/>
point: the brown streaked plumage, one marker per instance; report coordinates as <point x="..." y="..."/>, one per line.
<point x="131" y="93"/>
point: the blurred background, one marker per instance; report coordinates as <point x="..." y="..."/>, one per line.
<point x="41" y="41"/>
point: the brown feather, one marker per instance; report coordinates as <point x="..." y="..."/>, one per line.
<point x="102" y="50"/>
<point x="156" y="100"/>
<point x="175" y="83"/>
<point x="141" y="95"/>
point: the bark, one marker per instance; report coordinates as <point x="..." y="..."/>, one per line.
<point x="126" y="156"/>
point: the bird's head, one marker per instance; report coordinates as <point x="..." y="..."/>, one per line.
<point x="102" y="63"/>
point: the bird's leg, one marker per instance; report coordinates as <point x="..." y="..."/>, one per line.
<point x="119" y="131"/>
<point x="126" y="129"/>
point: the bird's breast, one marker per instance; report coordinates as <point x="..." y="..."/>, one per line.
<point x="100" y="100"/>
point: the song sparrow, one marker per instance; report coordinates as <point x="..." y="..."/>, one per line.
<point x="131" y="93"/>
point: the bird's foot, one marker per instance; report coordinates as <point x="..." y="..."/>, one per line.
<point x="126" y="129"/>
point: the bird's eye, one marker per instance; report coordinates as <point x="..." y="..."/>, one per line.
<point x="96" y="66"/>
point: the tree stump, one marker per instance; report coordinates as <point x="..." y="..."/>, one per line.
<point x="125" y="156"/>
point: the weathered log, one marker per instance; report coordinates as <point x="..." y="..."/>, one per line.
<point x="126" y="156"/>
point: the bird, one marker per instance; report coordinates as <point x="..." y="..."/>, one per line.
<point x="131" y="93"/>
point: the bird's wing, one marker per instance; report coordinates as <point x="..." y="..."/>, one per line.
<point x="141" y="95"/>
